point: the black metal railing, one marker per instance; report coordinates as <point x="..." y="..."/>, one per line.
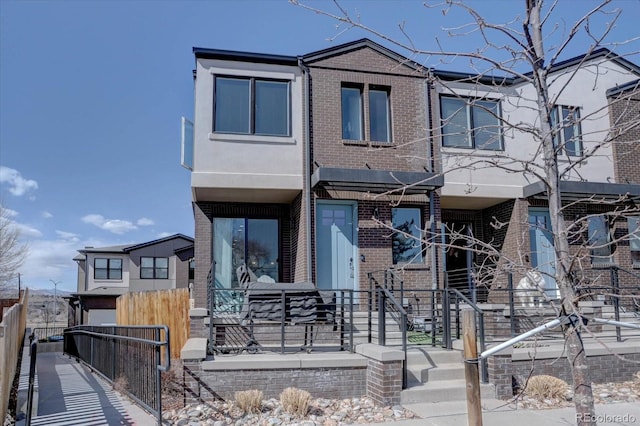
<point x="387" y="303"/>
<point x="47" y="334"/>
<point x="130" y="357"/>
<point x="280" y="317"/>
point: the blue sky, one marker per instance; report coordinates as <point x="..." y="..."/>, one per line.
<point x="91" y="95"/>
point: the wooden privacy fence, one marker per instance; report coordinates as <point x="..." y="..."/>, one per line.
<point x="162" y="307"/>
<point x="12" y="329"/>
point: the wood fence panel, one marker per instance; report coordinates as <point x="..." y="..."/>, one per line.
<point x="162" y="307"/>
<point x="12" y="329"/>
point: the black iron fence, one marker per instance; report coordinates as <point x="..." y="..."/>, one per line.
<point x="132" y="358"/>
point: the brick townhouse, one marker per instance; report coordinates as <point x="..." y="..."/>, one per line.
<point x="303" y="167"/>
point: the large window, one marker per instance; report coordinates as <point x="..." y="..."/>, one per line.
<point x="107" y="269"/>
<point x="379" y="113"/>
<point x="252" y="106"/>
<point x="634" y="239"/>
<point x="599" y="240"/>
<point x="154" y="268"/>
<point x="567" y="137"/>
<point x="470" y="123"/>
<point x="407" y="238"/>
<point x="243" y="241"/>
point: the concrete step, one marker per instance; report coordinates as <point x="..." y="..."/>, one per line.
<point x="441" y="391"/>
<point x="432" y="356"/>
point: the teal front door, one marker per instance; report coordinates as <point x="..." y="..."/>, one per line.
<point x="543" y="254"/>
<point x="335" y="249"/>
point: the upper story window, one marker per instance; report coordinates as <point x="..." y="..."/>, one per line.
<point x="107" y="269"/>
<point x="154" y="268"/>
<point x="600" y="240"/>
<point x="353" y="112"/>
<point x="471" y="123"/>
<point x="352" y="127"/>
<point x="407" y="238"/>
<point x="568" y="138"/>
<point x="252" y="106"/>
<point x="379" y="114"/>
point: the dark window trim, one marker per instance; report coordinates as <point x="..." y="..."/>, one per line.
<point x="155" y="268"/>
<point x="469" y="103"/>
<point x="365" y="120"/>
<point x="421" y="226"/>
<point x="252" y="106"/>
<point x="109" y="269"/>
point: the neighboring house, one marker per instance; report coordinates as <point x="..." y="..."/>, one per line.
<point x="104" y="273"/>
<point x="297" y="162"/>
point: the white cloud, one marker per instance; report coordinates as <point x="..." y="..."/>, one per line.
<point x="52" y="260"/>
<point x="70" y="236"/>
<point x="18" y="185"/>
<point x="143" y="221"/>
<point x="46" y="215"/>
<point x="117" y="226"/>
<point x="9" y="213"/>
<point x="27" y="231"/>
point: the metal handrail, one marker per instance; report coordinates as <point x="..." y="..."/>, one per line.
<point x="33" y="354"/>
<point x="157" y="344"/>
<point x="385" y="295"/>
<point x="480" y="312"/>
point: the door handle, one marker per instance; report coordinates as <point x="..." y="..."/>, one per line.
<point x="351" y="266"/>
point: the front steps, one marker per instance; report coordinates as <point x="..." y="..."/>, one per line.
<point x="437" y="375"/>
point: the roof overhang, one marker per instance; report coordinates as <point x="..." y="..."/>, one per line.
<point x="572" y="190"/>
<point x="102" y="292"/>
<point x="376" y="181"/>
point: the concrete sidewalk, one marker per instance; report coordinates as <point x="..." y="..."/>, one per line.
<point x="70" y="394"/>
<point x="497" y="413"/>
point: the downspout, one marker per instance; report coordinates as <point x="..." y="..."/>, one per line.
<point x="306" y="191"/>
<point x="432" y="207"/>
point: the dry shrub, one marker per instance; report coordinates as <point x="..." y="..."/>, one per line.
<point x="295" y="401"/>
<point x="249" y="401"/>
<point x="545" y="387"/>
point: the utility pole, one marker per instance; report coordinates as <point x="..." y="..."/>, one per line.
<point x="55" y="302"/>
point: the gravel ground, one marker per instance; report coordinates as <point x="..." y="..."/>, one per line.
<point x="324" y="412"/>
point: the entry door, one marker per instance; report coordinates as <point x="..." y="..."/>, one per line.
<point x="543" y="254"/>
<point x="335" y="250"/>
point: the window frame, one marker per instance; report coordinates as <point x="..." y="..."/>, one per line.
<point x="559" y="136"/>
<point x="109" y="270"/>
<point x="350" y="87"/>
<point x="417" y="232"/>
<point x="155" y="268"/>
<point x="387" y="92"/>
<point x="252" y="112"/>
<point x="606" y="244"/>
<point x="471" y="133"/>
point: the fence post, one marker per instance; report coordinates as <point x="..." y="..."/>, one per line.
<point x="474" y="408"/>
<point x="33" y="354"/>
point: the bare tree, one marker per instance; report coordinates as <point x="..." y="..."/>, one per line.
<point x="12" y="251"/>
<point x="517" y="50"/>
